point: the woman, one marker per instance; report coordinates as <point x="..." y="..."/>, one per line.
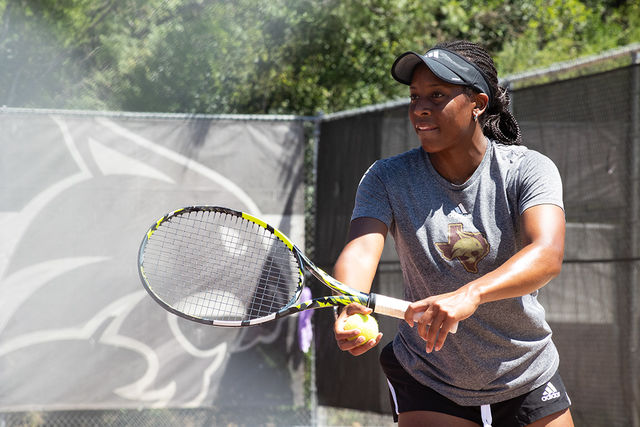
<point x="478" y="224"/>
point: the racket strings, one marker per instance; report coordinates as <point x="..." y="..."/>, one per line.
<point x="218" y="266"/>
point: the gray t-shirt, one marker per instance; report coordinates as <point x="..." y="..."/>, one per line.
<point x="447" y="235"/>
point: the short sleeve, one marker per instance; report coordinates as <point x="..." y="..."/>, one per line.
<point x="539" y="183"/>
<point x="372" y="200"/>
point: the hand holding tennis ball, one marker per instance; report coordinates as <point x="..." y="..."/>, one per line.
<point x="366" y="324"/>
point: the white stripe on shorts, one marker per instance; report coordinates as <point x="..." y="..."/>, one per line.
<point x="393" y="395"/>
<point x="485" y="412"/>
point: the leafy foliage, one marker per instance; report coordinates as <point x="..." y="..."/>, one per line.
<point x="278" y="56"/>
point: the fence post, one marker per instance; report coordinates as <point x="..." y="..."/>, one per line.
<point x="634" y="229"/>
<point x="317" y="121"/>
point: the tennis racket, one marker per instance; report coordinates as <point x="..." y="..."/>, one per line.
<point x="222" y="267"/>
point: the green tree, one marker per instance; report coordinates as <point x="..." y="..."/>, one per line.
<point x="277" y="56"/>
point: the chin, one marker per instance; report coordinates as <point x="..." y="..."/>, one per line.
<point x="431" y="146"/>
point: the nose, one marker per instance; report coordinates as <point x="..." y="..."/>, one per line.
<point x="421" y="107"/>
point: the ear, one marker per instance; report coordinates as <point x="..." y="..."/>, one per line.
<point x="482" y="102"/>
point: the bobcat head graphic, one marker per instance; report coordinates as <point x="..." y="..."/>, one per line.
<point x="467" y="247"/>
<point x="76" y="328"/>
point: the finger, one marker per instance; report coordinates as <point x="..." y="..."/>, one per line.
<point x="355" y="308"/>
<point x="423" y="326"/>
<point x="414" y="312"/>
<point x="434" y="331"/>
<point x="363" y="348"/>
<point x="449" y="326"/>
<point x="346" y="335"/>
<point x="350" y="344"/>
<point x="424" y="319"/>
<point x="410" y="316"/>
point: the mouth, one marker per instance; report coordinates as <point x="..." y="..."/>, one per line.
<point x="424" y="127"/>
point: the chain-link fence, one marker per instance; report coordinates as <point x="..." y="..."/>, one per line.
<point x="588" y="123"/>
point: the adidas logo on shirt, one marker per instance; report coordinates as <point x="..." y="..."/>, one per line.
<point x="461" y="210"/>
<point x="550" y="393"/>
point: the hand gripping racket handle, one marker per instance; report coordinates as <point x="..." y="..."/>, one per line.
<point x="395" y="307"/>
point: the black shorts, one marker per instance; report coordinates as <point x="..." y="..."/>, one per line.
<point x="407" y="395"/>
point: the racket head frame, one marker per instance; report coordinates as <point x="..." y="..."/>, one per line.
<point x="347" y="295"/>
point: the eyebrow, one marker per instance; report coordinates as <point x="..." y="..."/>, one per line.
<point x="443" y="84"/>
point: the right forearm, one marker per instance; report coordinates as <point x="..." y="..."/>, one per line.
<point x="357" y="264"/>
<point x="356" y="270"/>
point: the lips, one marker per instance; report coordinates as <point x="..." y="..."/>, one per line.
<point x="424" y="127"/>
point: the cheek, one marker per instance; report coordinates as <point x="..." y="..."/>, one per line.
<point x="461" y="116"/>
<point x="465" y="109"/>
<point x="412" y="112"/>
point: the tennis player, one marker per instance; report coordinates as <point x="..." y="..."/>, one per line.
<point x="478" y="223"/>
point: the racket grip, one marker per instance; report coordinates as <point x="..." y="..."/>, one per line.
<point x="395" y="307"/>
<point x="388" y="306"/>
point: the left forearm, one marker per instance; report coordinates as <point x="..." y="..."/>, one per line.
<point x="528" y="270"/>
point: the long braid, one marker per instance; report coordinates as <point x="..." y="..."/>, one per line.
<point x="497" y="123"/>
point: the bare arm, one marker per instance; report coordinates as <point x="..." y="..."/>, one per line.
<point x="356" y="267"/>
<point x="529" y="269"/>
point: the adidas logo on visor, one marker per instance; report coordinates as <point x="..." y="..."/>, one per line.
<point x="436" y="54"/>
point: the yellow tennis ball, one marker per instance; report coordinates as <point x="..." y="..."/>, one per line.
<point x="366" y="324"/>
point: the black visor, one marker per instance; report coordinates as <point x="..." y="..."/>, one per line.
<point x="446" y="65"/>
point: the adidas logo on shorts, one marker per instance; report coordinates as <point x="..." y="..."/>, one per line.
<point x="550" y="393"/>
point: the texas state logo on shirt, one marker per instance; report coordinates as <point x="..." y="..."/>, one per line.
<point x="467" y="247"/>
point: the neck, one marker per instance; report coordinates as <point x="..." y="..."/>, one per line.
<point x="458" y="165"/>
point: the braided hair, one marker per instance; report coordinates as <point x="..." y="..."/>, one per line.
<point x="497" y="122"/>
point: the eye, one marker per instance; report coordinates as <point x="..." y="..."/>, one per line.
<point x="434" y="95"/>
